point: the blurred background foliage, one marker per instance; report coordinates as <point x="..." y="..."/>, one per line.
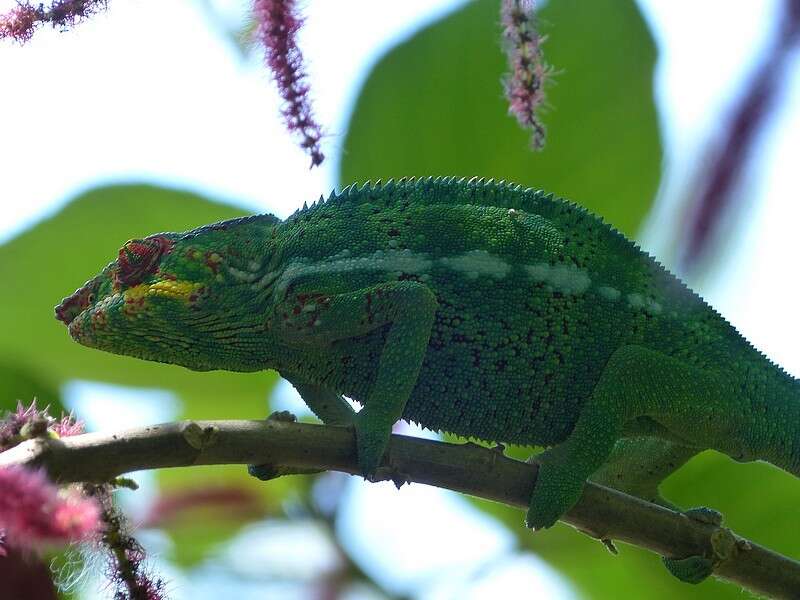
<point x="431" y="105"/>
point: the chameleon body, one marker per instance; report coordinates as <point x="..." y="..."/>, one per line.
<point x="477" y="308"/>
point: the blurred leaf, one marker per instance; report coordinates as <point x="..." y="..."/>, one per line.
<point x="200" y="517"/>
<point x="19" y="383"/>
<point x="434" y="105"/>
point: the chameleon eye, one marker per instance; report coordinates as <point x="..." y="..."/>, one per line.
<point x="139" y="258"/>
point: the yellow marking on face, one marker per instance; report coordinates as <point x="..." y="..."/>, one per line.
<point x="176" y="290"/>
<point x="136" y="293"/>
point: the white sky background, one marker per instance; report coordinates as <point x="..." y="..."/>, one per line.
<point x="148" y="91"/>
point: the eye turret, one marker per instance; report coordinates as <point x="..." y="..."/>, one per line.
<point x="139" y="258"/>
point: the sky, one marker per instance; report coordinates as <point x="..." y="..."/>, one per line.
<point x="151" y="91"/>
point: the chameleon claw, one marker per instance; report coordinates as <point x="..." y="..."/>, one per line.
<point x="703" y="514"/>
<point x="371" y="446"/>
<point x="264" y="472"/>
<point x="398" y="477"/>
<point x="268" y="471"/>
<point x="694" y="569"/>
<point x="283" y="416"/>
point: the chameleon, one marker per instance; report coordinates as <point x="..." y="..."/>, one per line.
<point x="479" y="308"/>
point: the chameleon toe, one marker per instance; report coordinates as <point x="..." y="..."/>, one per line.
<point x="693" y="569"/>
<point x="703" y="514"/>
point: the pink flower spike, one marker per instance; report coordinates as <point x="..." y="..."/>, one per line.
<point x="20" y="22"/>
<point x="278" y="24"/>
<point x="30" y="422"/>
<point x="34" y="514"/>
<point x="78" y="518"/>
<point x="528" y="72"/>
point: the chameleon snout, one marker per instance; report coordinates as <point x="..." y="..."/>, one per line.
<point x="71" y="306"/>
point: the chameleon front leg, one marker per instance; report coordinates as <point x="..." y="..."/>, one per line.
<point x="409" y="309"/>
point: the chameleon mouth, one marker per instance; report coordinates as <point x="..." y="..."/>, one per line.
<point x="89" y="319"/>
<point x="83" y="298"/>
<point x="65" y="311"/>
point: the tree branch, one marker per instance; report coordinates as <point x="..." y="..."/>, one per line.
<point x="601" y="512"/>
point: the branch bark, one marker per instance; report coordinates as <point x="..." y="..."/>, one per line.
<point x="601" y="512"/>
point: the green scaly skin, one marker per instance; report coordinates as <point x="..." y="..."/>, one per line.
<point x="477" y="308"/>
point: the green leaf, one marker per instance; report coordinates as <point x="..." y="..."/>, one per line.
<point x="20" y="383"/>
<point x="204" y="513"/>
<point x="434" y="105"/>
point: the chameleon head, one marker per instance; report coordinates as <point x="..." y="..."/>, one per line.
<point x="177" y="298"/>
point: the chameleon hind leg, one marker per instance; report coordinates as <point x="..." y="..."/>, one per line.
<point x="636" y="382"/>
<point x="638" y="465"/>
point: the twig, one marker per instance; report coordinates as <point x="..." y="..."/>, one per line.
<point x="601" y="512"/>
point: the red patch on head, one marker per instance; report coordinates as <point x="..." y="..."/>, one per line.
<point x="139" y="258"/>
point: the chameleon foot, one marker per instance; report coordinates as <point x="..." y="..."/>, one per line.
<point x="557" y="489"/>
<point x="264" y="472"/>
<point x="694" y="569"/>
<point x="371" y="443"/>
<point x="269" y="471"/>
<point x="703" y="514"/>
